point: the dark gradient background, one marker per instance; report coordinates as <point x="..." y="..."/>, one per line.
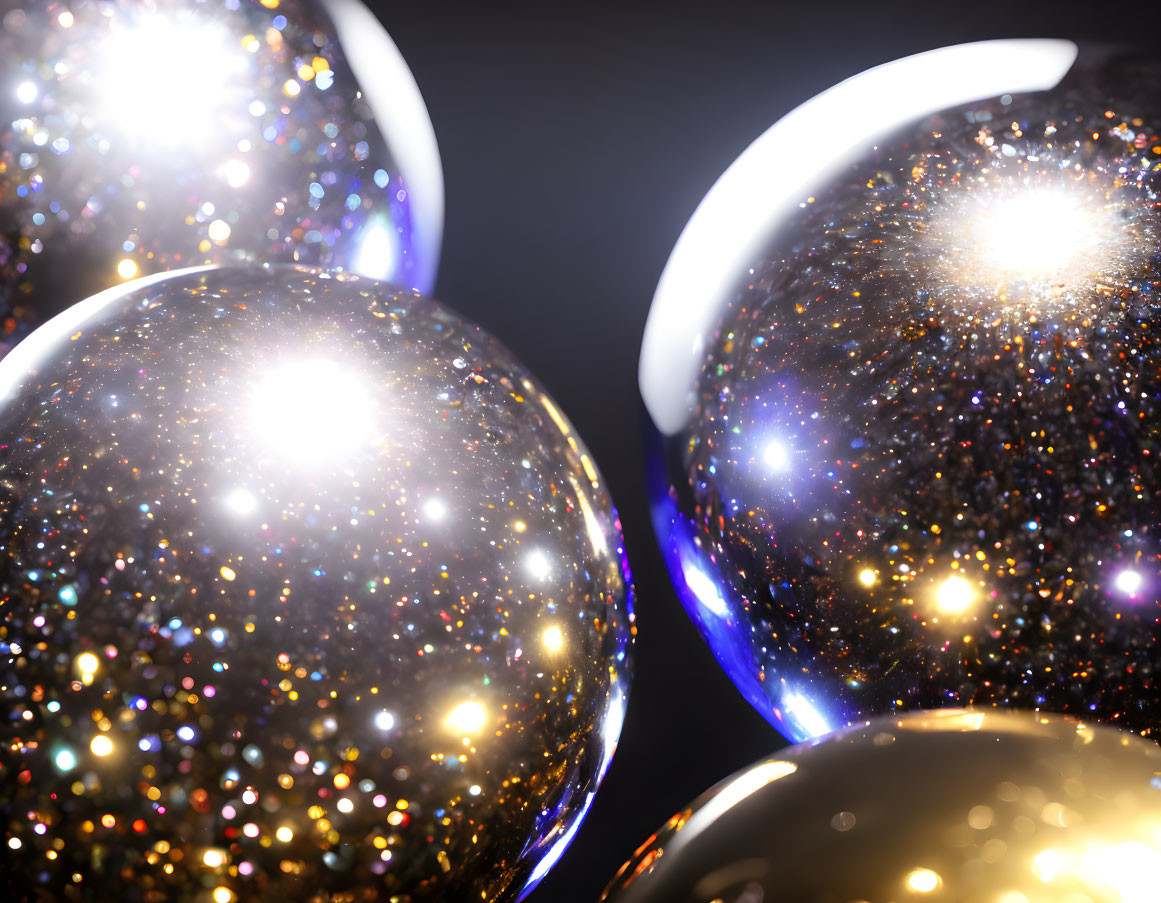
<point x="577" y="138"/>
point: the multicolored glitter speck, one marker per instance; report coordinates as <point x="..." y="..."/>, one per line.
<point x="143" y="135"/>
<point x="308" y="592"/>
<point x="918" y="467"/>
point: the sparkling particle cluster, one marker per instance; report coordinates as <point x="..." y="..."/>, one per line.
<point x="996" y="807"/>
<point x="141" y="136"/>
<point x="921" y="469"/>
<point x="308" y="592"/>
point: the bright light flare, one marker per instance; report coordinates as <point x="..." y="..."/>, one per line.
<point x="376" y="250"/>
<point x="163" y="78"/>
<point x="101" y="746"/>
<point x="776" y="457"/>
<point x="87" y="664"/>
<point x="127" y="269"/>
<point x="1042" y="239"/>
<point x="235" y="173"/>
<point x="1125" y="871"/>
<point x="384" y="720"/>
<point x="1128" y="582"/>
<point x="1035" y="234"/>
<point x="311" y="411"/>
<point x="923" y="881"/>
<point x="803" y="713"/>
<point x="435" y="509"/>
<point x="553" y="639"/>
<point x="219" y="231"/>
<point x="537" y="565"/>
<point x="65" y="759"/>
<point x="241" y="502"/>
<point x="467" y="718"/>
<point x="955" y="595"/>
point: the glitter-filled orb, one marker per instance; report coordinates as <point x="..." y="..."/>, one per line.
<point x="963" y="806"/>
<point x="910" y="461"/>
<point x="145" y="135"/>
<point x="309" y="592"/>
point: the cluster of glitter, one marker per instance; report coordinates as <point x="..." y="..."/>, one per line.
<point x="309" y="592"/>
<point x="1002" y="807"/>
<point x="139" y="136"/>
<point x="921" y="471"/>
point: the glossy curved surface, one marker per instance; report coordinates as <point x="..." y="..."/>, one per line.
<point x="308" y="588"/>
<point x="963" y="806"/>
<point x="919" y="467"/>
<point x="142" y="136"/>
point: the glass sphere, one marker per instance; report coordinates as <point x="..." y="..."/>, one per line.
<point x="964" y="806"/>
<point x="144" y="135"/>
<point x="309" y="590"/>
<point x="909" y="462"/>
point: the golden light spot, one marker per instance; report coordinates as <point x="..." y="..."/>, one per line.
<point x="467" y="718"/>
<point x="87" y="663"/>
<point x="955" y="595"/>
<point x="101" y="745"/>
<point x="223" y="894"/>
<point x="284" y="834"/>
<point x="867" y="577"/>
<point x="345" y="806"/>
<point x="553" y="639"/>
<point x="922" y="881"/>
<point x="520" y="526"/>
<point x="292" y="88"/>
<point x="219" y="231"/>
<point x="227" y="573"/>
<point x="214" y="858"/>
<point x="1046" y="864"/>
<point x="127" y="268"/>
<point x="342" y="781"/>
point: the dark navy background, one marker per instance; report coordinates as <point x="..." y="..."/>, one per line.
<point x="577" y="138"/>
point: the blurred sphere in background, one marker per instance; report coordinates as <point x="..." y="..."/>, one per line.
<point x="142" y="136"/>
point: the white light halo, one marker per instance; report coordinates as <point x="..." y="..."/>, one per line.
<point x="778" y="170"/>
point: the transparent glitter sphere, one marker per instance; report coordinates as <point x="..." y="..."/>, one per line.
<point x="964" y="806"/>
<point x="145" y="135"/>
<point x="309" y="592"/>
<point x="910" y="460"/>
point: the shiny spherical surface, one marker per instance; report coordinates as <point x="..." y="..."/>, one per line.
<point x="144" y="135"/>
<point x="918" y="467"/>
<point x="948" y="807"/>
<point x="309" y="592"/>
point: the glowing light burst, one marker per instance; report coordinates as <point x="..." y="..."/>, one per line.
<point x="311" y="411"/>
<point x="377" y="250"/>
<point x="955" y="595"/>
<point x="1032" y="240"/>
<point x="165" y="80"/>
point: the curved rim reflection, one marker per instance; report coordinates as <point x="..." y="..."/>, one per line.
<point x="749" y="200"/>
